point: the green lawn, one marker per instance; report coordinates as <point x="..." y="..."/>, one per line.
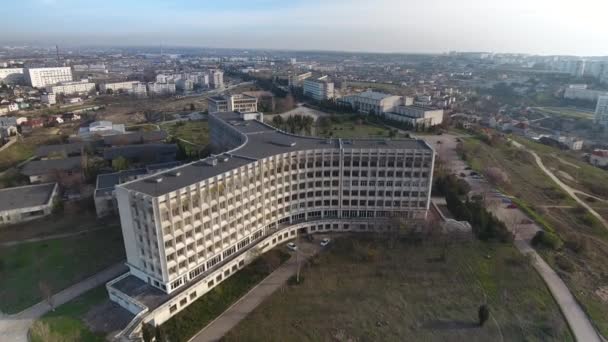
<point x="195" y="132"/>
<point x="566" y="112"/>
<point x="25" y="147"/>
<point x="354" y="130"/>
<point x="368" y="290"/>
<point x="66" y="324"/>
<point x="57" y="263"/>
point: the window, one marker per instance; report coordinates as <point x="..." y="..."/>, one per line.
<point x="173" y="308"/>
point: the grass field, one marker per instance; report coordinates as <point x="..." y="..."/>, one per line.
<point x="57" y="263"/>
<point x="407" y="293"/>
<point x="66" y="324"/>
<point x="195" y="132"/>
<point x="354" y="130"/>
<point x="582" y="262"/>
<point x="566" y="112"/>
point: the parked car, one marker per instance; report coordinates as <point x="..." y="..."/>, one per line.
<point x="292" y="246"/>
<point x="325" y="242"/>
<point x="473" y="173"/>
<point x="512" y="206"/>
<point x="468" y="168"/>
<point x="462" y="174"/>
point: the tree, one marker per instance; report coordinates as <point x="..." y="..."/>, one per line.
<point x="148" y="332"/>
<point x="278" y="122"/>
<point x="120" y="164"/>
<point x="483" y="314"/>
<point x="192" y="107"/>
<point x="47" y="293"/>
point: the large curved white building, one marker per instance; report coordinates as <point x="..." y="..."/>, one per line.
<point x="189" y="228"/>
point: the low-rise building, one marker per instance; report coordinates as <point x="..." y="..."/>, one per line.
<point x="11" y="76"/>
<point x="143" y="153"/>
<point x="59" y="151"/>
<point x="101" y="129"/>
<point x="599" y="158"/>
<point x="66" y="171"/>
<point x="233" y="103"/>
<point x="373" y="102"/>
<point x="26" y="203"/>
<point x="49" y="99"/>
<point x="416" y="115"/>
<point x="130" y="87"/>
<point x="577" y="92"/>
<point x="8" y="126"/>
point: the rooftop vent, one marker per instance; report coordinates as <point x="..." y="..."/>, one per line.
<point x="224" y="158"/>
<point x="175" y="173"/>
<point x="155" y="180"/>
<point x="211" y="161"/>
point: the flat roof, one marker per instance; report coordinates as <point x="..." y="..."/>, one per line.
<point x="262" y="141"/>
<point x="26" y="196"/>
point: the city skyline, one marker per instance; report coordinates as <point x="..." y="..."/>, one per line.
<point x="535" y="27"/>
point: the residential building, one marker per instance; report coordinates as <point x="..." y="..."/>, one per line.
<point x="576" y="92"/>
<point x="319" y="89"/>
<point x="189" y="228"/>
<point x="42" y="77"/>
<point x="26" y="203"/>
<point x="601" y="111"/>
<point x="8" y="126"/>
<point x="66" y="171"/>
<point x="49" y="98"/>
<point x="216" y="79"/>
<point x="69" y="88"/>
<point x="59" y="151"/>
<point x="11" y="76"/>
<point x="233" y="103"/>
<point x="416" y="115"/>
<point x="599" y="158"/>
<point x="184" y="84"/>
<point x="129" y="87"/>
<point x="373" y="102"/>
<point x="155" y="88"/>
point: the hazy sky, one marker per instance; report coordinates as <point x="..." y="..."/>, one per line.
<point x="578" y="27"/>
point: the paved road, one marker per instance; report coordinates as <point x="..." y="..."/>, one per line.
<point x="14" y="328"/>
<point x="579" y="323"/>
<point x="244" y="306"/>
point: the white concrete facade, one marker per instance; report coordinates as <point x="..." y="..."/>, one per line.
<point x="31" y="211"/>
<point x="373" y="102"/>
<point x="42" y="77"/>
<point x="319" y="89"/>
<point x="601" y="111"/>
<point x="69" y="88"/>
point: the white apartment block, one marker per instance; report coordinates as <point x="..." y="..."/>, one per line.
<point x="42" y="77"/>
<point x="184" y="84"/>
<point x="601" y="111"/>
<point x="188" y="229"/>
<point x="155" y="88"/>
<point x="116" y="87"/>
<point x="319" y="88"/>
<point x="416" y="115"/>
<point x="233" y="103"/>
<point x="577" y="92"/>
<point x="216" y="79"/>
<point x="69" y="88"/>
<point x="11" y="75"/>
<point x="373" y="102"/>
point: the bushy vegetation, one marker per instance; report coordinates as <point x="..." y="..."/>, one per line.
<point x="197" y="315"/>
<point x="485" y="225"/>
<point x="547" y="239"/>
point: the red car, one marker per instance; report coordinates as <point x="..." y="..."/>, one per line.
<point x="511" y="206"/>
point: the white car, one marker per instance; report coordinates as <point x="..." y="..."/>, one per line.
<point x="325" y="242"/>
<point x="292" y="246"/>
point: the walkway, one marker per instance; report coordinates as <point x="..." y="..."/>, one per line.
<point x="14" y="328"/>
<point x="215" y="330"/>
<point x="570" y="191"/>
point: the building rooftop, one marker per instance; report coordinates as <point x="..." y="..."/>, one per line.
<point x="61" y="149"/>
<point x="135" y="138"/>
<point x="151" y="152"/>
<point x="26" y="196"/>
<point x="262" y="141"/>
<point x="41" y="167"/>
<point x="374" y="95"/>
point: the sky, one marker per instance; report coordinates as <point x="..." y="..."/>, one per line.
<point x="557" y="27"/>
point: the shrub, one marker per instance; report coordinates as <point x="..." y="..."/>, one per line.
<point x="483" y="313"/>
<point x="576" y="244"/>
<point x="564" y="263"/>
<point x="547" y="240"/>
